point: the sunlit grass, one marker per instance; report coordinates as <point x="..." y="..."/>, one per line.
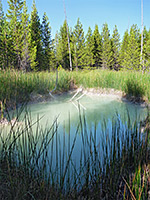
<point x="131" y="82"/>
<point x="16" y="86"/>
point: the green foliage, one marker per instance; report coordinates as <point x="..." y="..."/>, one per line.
<point x="6" y="47"/>
<point x="14" y="15"/>
<point x="89" y="60"/>
<point x="17" y="85"/>
<point x="132" y="53"/>
<point x="124" y="48"/>
<point x="135" y="88"/>
<point x="26" y="44"/>
<point x="115" y="49"/>
<point x="47" y="43"/>
<point x="146" y="51"/>
<point x="106" y="48"/>
<point x="28" y="47"/>
<point x="2" y="53"/>
<point x="97" y="48"/>
<point x="79" y="45"/>
<point x="36" y="37"/>
<point x="15" y="8"/>
<point x="62" y="50"/>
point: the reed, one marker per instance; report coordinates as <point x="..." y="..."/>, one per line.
<point x="37" y="163"/>
<point x="16" y="86"/>
<point x="130" y="82"/>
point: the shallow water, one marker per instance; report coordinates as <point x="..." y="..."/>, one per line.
<point x="97" y="116"/>
<point x="95" y="108"/>
<point x="100" y="113"/>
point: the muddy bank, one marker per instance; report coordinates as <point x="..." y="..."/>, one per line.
<point x="120" y="95"/>
<point x="110" y="93"/>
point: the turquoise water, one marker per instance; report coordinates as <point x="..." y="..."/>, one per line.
<point x="94" y="113"/>
<point x="96" y="109"/>
<point x="94" y="118"/>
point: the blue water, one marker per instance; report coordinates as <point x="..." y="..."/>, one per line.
<point x="93" y="118"/>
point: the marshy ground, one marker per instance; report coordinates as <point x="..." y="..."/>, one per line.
<point x="125" y="173"/>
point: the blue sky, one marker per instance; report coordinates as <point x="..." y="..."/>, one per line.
<point x="122" y="13"/>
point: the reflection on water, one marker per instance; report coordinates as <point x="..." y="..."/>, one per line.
<point x="100" y="113"/>
<point x="95" y="108"/>
<point x="97" y="116"/>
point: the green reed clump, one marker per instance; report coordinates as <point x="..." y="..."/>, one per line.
<point x="131" y="82"/>
<point x="133" y="87"/>
<point x="37" y="163"/>
<point x="16" y="86"/>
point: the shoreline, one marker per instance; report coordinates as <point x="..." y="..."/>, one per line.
<point x="105" y="92"/>
<point x="120" y="95"/>
<point x="117" y="94"/>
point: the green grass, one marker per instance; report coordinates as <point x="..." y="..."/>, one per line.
<point x="130" y="82"/>
<point x="16" y="86"/>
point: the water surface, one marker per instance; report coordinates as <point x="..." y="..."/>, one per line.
<point x="90" y="123"/>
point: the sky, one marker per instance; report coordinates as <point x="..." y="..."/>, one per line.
<point x="122" y="13"/>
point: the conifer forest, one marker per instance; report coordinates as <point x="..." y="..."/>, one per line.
<point x="26" y="43"/>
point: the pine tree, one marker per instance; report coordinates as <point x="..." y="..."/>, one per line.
<point x="36" y="36"/>
<point x="57" y="48"/>
<point x="5" y="41"/>
<point x="132" y="54"/>
<point x="47" y="43"/>
<point x="1" y="21"/>
<point x="89" y="61"/>
<point x="145" y="56"/>
<point x="14" y="15"/>
<point x="5" y="48"/>
<point x="97" y="47"/>
<point x="79" y="45"/>
<point x="62" y="55"/>
<point x="106" y="48"/>
<point x="124" y="49"/>
<point x="28" y="50"/>
<point x="115" y="49"/>
<point x="146" y="51"/>
<point x="53" y="62"/>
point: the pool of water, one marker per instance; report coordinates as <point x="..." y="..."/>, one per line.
<point x="79" y="128"/>
<point x="95" y="108"/>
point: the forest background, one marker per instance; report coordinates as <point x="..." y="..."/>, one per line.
<point x="26" y="43"/>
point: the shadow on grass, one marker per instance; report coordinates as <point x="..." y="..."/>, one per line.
<point x="134" y="88"/>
